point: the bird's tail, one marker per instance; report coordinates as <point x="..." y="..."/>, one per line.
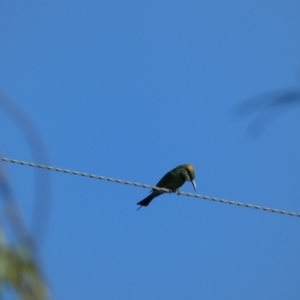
<point x="147" y="200"/>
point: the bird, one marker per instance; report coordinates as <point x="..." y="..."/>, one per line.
<point x="172" y="180"/>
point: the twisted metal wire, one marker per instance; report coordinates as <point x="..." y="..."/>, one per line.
<point x="15" y="161"/>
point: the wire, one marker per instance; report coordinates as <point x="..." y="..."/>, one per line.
<point x="15" y="161"/>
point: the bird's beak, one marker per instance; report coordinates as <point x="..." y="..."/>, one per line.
<point x="191" y="180"/>
<point x="194" y="184"/>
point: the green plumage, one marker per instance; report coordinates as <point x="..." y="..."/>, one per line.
<point x="173" y="180"/>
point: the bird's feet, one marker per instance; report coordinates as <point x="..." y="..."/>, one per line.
<point x="176" y="192"/>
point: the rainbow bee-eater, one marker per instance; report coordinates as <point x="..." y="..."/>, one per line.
<point x="173" y="180"/>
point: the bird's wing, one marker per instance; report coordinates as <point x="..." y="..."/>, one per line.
<point x="166" y="180"/>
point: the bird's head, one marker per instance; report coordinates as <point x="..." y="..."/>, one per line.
<point x="189" y="174"/>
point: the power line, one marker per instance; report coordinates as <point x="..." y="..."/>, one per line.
<point x="15" y="161"/>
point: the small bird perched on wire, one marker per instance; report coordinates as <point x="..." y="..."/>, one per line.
<point x="173" y="180"/>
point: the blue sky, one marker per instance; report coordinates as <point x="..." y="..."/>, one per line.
<point x="131" y="89"/>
